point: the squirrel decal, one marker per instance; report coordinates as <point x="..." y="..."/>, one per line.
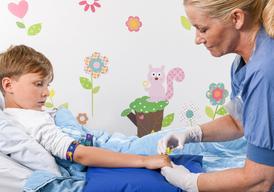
<point x="156" y="78"/>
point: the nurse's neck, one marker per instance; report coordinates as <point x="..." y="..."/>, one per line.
<point x="247" y="43"/>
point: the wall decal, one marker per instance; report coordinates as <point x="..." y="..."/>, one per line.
<point x="133" y="23"/>
<point x="94" y="66"/>
<point x="92" y="6"/>
<point x="190" y="114"/>
<point x="82" y="118"/>
<point x="50" y="104"/>
<point x="20" y="10"/>
<point x="147" y="112"/>
<point x="185" y="23"/>
<point x="216" y="95"/>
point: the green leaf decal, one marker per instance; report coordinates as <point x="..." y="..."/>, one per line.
<point x="96" y="89"/>
<point x="185" y="23"/>
<point x="85" y="82"/>
<point x="209" y="112"/>
<point x="21" y="25"/>
<point x="34" y="29"/>
<point x="49" y="105"/>
<point x="64" y="105"/>
<point x="126" y="112"/>
<point x="221" y="111"/>
<point x="168" y="120"/>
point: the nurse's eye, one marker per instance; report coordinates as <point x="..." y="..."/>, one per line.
<point x="203" y="30"/>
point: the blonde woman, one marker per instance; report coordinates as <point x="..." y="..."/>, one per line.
<point x="244" y="27"/>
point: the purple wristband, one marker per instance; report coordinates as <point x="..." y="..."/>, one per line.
<point x="71" y="149"/>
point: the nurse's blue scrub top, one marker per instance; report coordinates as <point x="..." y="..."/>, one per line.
<point x="254" y="83"/>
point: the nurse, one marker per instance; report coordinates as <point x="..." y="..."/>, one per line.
<point x="244" y="27"/>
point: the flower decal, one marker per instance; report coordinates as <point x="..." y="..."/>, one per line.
<point x="82" y="118"/>
<point x="50" y="104"/>
<point x="190" y="114"/>
<point x="91" y="6"/>
<point x="96" y="64"/>
<point x="216" y="95"/>
<point x="134" y="24"/>
<point x="20" y="10"/>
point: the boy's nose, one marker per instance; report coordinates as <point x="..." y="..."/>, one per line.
<point x="45" y="92"/>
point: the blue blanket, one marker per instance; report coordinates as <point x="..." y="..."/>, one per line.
<point x="137" y="179"/>
<point x="215" y="155"/>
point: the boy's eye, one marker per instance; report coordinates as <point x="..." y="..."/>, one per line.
<point x="39" y="84"/>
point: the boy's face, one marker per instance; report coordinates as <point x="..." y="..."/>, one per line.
<point x="29" y="91"/>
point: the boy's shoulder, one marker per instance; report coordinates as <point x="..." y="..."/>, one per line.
<point x="27" y="116"/>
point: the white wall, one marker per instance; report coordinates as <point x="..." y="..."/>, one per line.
<point x="69" y="34"/>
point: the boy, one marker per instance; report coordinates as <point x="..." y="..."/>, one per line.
<point x="25" y="75"/>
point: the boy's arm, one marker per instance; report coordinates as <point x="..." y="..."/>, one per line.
<point x="93" y="156"/>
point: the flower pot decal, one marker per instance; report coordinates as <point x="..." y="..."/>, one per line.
<point x="146" y="115"/>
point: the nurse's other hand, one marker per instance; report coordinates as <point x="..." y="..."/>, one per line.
<point x="179" y="176"/>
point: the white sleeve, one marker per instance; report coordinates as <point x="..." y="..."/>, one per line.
<point x="51" y="137"/>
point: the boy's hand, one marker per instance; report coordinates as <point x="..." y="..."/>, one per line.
<point x="156" y="161"/>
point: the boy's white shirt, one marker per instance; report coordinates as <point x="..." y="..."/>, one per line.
<point x="41" y="126"/>
<point x="23" y="148"/>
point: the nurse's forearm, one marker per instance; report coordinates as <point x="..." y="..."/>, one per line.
<point x="222" y="129"/>
<point x="253" y="177"/>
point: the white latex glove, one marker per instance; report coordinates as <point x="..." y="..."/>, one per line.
<point x="179" y="176"/>
<point x="178" y="139"/>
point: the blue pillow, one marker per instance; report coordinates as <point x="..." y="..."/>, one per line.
<point x="137" y="179"/>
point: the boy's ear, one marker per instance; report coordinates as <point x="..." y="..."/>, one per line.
<point x="7" y="84"/>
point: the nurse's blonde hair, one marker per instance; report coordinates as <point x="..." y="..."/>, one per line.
<point x="261" y="11"/>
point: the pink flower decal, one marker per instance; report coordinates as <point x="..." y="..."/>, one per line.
<point x="216" y="95"/>
<point x="134" y="23"/>
<point x="95" y="65"/>
<point x="90" y="5"/>
<point x="20" y="9"/>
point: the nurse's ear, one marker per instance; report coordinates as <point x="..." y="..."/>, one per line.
<point x="238" y="17"/>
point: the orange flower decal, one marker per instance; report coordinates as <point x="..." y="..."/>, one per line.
<point x="82" y="118"/>
<point x="134" y="24"/>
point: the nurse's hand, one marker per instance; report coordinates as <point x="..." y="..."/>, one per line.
<point x="179" y="176"/>
<point x="178" y="139"/>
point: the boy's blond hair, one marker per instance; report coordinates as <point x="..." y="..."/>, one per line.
<point x="21" y="59"/>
